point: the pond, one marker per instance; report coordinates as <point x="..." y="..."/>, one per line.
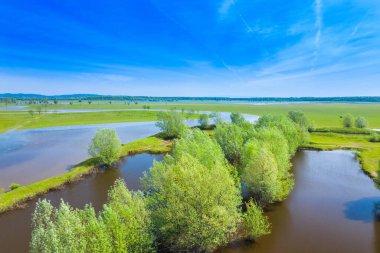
<point x="331" y="209"/>
<point x="15" y="226"/>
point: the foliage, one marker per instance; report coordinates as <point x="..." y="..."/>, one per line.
<point x="105" y="146"/>
<point x="294" y="135"/>
<point x="204" y="121"/>
<point x="237" y="118"/>
<point x="194" y="207"/>
<point x="255" y="223"/>
<point x="348" y="120"/>
<point x="171" y="123"/>
<point x="259" y="173"/>
<point x="230" y="138"/>
<point x="14" y="186"/>
<point x="375" y="137"/>
<point x="361" y="122"/>
<point x="123" y="226"/>
<point x="300" y="118"/>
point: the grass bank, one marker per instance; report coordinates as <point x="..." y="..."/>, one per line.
<point x="324" y="115"/>
<point x="368" y="152"/>
<point x="14" y="198"/>
<point x="22" y="120"/>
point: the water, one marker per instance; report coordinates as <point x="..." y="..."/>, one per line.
<point x="330" y="210"/>
<point x="28" y="156"/>
<point x="15" y="226"/>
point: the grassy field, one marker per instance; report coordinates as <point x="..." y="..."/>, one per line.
<point x="323" y="115"/>
<point x="23" y="120"/>
<point x="368" y="152"/>
<point x="11" y="199"/>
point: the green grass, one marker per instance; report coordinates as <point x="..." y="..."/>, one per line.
<point x="14" y="198"/>
<point x="324" y="115"/>
<point x="369" y="152"/>
<point x="23" y="120"/>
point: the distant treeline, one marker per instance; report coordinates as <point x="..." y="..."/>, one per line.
<point x="91" y="97"/>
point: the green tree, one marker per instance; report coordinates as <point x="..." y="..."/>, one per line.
<point x="171" y="123"/>
<point x="255" y="223"/>
<point x="348" y="121"/>
<point x="31" y="113"/>
<point x="230" y="138"/>
<point x="204" y="121"/>
<point x="361" y="122"/>
<point x="194" y="207"/>
<point x="105" y="146"/>
<point x="237" y="118"/>
<point x="127" y="220"/>
<point x="300" y="118"/>
<point x="259" y="175"/>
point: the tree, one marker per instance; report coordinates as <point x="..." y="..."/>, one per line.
<point x="171" y="123"/>
<point x="230" y="138"/>
<point x="255" y="222"/>
<point x="194" y="207"/>
<point x="361" y="122"/>
<point x="259" y="175"/>
<point x="300" y="118"/>
<point x="348" y="121"/>
<point x="31" y="112"/>
<point x="204" y="121"/>
<point x="127" y="220"/>
<point x="39" y="110"/>
<point x="237" y="118"/>
<point x="105" y="146"/>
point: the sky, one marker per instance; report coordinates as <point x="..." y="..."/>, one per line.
<point x="232" y="48"/>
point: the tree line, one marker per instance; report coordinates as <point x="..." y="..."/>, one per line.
<point x="208" y="191"/>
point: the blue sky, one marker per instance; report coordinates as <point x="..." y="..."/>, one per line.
<point x="236" y="48"/>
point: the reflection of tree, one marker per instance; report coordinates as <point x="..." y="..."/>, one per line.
<point x="376" y="227"/>
<point x="376" y="211"/>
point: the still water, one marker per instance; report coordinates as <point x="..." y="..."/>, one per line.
<point x="330" y="210"/>
<point x="15" y="226"/>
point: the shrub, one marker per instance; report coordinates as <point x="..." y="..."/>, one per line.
<point x="105" y="146"/>
<point x="14" y="186"/>
<point x="204" y="121"/>
<point x="237" y="118"/>
<point x="300" y="118"/>
<point x="348" y="121"/>
<point x="194" y="208"/>
<point x="255" y="223"/>
<point x="375" y="137"/>
<point x="259" y="175"/>
<point x="171" y="123"/>
<point x="361" y="122"/>
<point x="230" y="138"/>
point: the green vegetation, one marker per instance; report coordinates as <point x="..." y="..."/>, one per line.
<point x="348" y="120"/>
<point x="255" y="223"/>
<point x="122" y="226"/>
<point x="14" y="186"/>
<point x="322" y="114"/>
<point x="361" y="122"/>
<point x="11" y="199"/>
<point x="204" y="121"/>
<point x="171" y="123"/>
<point x="105" y="146"/>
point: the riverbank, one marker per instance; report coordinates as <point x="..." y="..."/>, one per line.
<point x="23" y="120"/>
<point x="15" y="198"/>
<point x="368" y="153"/>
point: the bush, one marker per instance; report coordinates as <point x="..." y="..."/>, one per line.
<point x="361" y="122"/>
<point x="230" y="138"/>
<point x="259" y="175"/>
<point x="255" y="223"/>
<point x="375" y="137"/>
<point x="14" y="186"/>
<point x="105" y="146"/>
<point x="204" y="121"/>
<point x="237" y="118"/>
<point x="300" y="118"/>
<point x="171" y="123"/>
<point x="348" y="121"/>
<point x="194" y="208"/>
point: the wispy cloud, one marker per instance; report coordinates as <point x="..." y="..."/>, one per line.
<point x="318" y="27"/>
<point x="225" y="6"/>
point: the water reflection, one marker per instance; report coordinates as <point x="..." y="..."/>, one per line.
<point x="364" y="209"/>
